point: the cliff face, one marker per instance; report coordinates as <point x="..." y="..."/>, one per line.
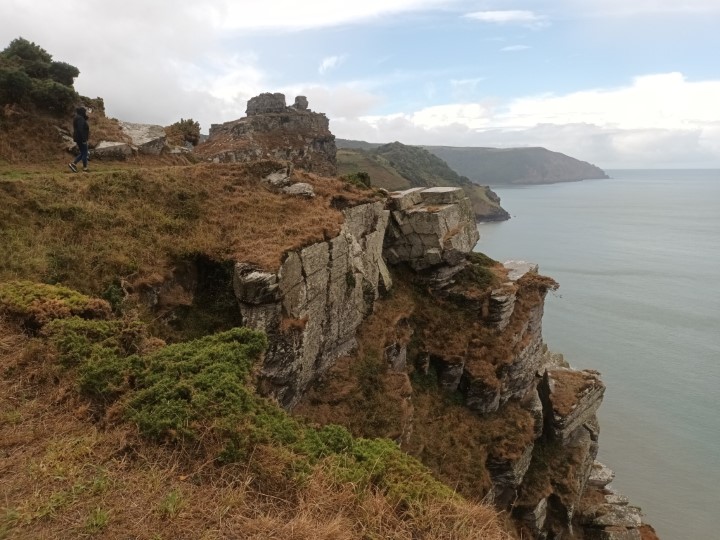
<point x="451" y="337"/>
<point x="276" y="131"/>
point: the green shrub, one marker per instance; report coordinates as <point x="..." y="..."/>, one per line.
<point x="15" y="85"/>
<point x="359" y="179"/>
<point x="53" y="96"/>
<point x="37" y="303"/>
<point x="186" y="130"/>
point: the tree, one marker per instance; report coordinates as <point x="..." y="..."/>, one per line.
<point x="28" y="75"/>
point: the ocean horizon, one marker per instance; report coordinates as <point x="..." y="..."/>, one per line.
<point x="637" y="257"/>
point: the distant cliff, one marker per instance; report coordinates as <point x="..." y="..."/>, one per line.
<point x="397" y="166"/>
<point x="505" y="166"/>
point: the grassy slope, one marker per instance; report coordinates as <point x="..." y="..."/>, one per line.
<point x="84" y="403"/>
<point x="83" y="460"/>
<point x="397" y="166"/>
<point x="90" y="230"/>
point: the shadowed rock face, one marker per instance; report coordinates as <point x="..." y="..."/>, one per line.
<point x="271" y="129"/>
<point x="312" y="307"/>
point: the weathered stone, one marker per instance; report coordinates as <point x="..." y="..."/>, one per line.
<point x="313" y="306"/>
<point x="396" y="356"/>
<point x="111" y="150"/>
<point x="517" y="269"/>
<point x="301" y="103"/>
<point x="273" y="130"/>
<point x="402" y="200"/>
<point x="502" y="305"/>
<point x="300" y="189"/>
<point x="534" y="518"/>
<point x="253" y="286"/>
<point x="612" y="515"/>
<point x="442" y="195"/>
<point x="147" y="138"/>
<point x="427" y="235"/>
<point x="600" y="475"/>
<point x="280" y="178"/>
<point x="571" y="399"/>
<point x="507" y="474"/>
<point x="266" y="103"/>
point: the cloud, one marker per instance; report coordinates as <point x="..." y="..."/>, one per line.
<point x="527" y="18"/>
<point x="655" y="121"/>
<point x="292" y="15"/>
<point x="330" y="62"/>
<point x="515" y="48"/>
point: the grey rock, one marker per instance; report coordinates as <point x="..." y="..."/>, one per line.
<point x="280" y="178"/>
<point x="312" y="308"/>
<point x="517" y="269"/>
<point x="442" y="195"/>
<point x="301" y="103"/>
<point x="600" y="475"/>
<point x="147" y="138"/>
<point x="300" y="189"/>
<point x="266" y="103"/>
<point x="112" y="150"/>
<point x="571" y="399"/>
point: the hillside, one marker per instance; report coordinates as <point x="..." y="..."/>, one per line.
<point x="254" y="347"/>
<point x="513" y="166"/>
<point x="503" y="166"/>
<point x="396" y="166"/>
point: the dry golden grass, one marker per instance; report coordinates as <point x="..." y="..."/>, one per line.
<point x="62" y="476"/>
<point x="393" y="408"/>
<point x="87" y="231"/>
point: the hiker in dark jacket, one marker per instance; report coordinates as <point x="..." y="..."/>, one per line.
<point x="81" y="134"/>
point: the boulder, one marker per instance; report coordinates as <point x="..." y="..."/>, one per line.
<point x="112" y="150"/>
<point x="300" y="189"/>
<point x="147" y="138"/>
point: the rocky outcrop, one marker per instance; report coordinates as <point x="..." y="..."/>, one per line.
<point x="273" y="130"/>
<point x="430" y="227"/>
<point x="312" y="307"/>
<point x="145" y="138"/>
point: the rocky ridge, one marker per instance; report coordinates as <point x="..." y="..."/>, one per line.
<point x="313" y="307"/>
<point x="276" y="131"/>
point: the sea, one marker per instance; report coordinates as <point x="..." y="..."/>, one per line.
<point x="637" y="257"/>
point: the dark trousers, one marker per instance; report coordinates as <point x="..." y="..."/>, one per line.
<point x="83" y="155"/>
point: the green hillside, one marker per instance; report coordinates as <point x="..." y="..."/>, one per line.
<point x="397" y="166"/>
<point x="504" y="166"/>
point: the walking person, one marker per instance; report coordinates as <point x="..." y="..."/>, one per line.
<point x="81" y="134"/>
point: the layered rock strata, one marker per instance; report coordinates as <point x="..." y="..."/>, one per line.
<point x="312" y="306"/>
<point x="276" y="131"/>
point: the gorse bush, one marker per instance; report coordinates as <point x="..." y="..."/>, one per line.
<point x="29" y="75"/>
<point x="186" y="130"/>
<point x="200" y="394"/>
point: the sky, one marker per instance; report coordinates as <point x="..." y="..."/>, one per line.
<point x="618" y="83"/>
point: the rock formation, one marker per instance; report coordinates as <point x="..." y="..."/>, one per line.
<point x="273" y="130"/>
<point x="313" y="305"/>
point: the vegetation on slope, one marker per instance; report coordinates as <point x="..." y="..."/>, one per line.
<point x="91" y="231"/>
<point x="503" y="166"/>
<point x="230" y="462"/>
<point x="396" y="166"/>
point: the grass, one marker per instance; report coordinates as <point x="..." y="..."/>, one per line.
<point x="96" y="401"/>
<point x="130" y="224"/>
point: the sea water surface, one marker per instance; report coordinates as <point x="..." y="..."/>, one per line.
<point x="638" y="262"/>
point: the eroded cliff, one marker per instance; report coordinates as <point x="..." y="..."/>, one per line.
<point x="446" y="357"/>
